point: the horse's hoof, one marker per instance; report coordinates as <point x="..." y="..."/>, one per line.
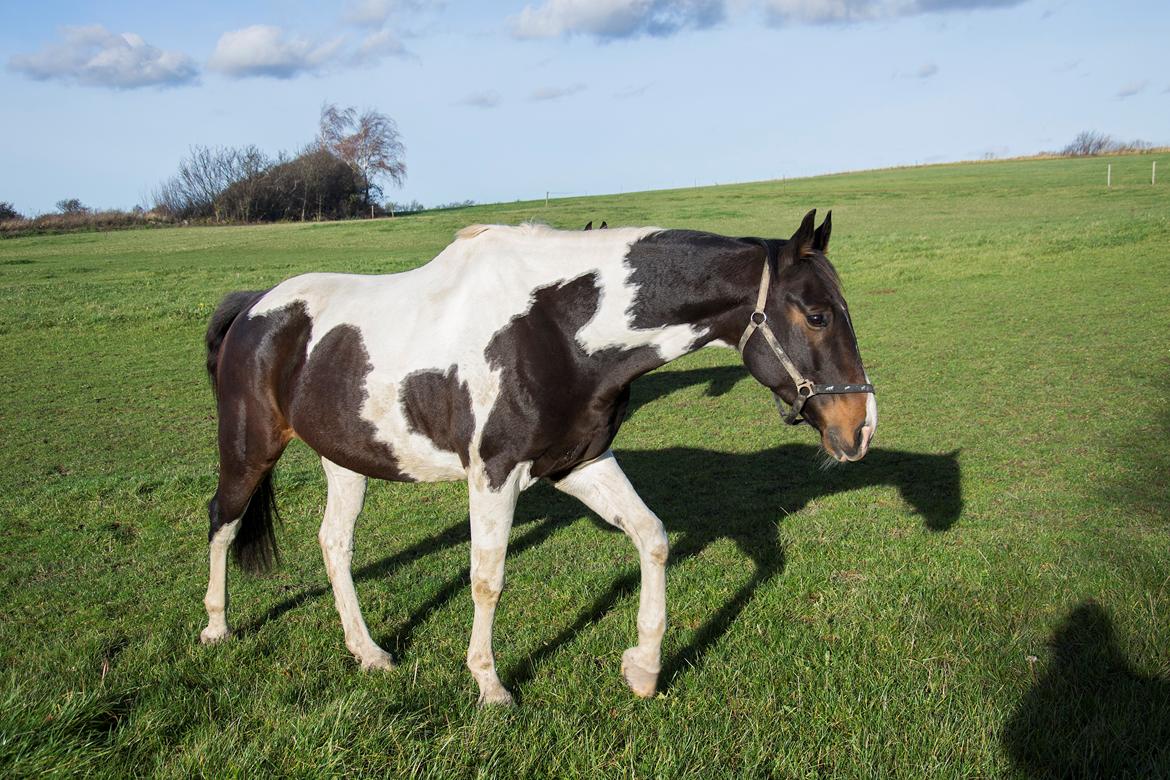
<point x="498" y="697"/>
<point x="642" y="682"/>
<point x="378" y="660"/>
<point x="211" y="636"/>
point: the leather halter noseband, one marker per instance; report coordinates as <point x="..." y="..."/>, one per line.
<point x="805" y="388"/>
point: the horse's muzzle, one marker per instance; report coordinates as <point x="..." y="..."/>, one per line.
<point x="847" y="448"/>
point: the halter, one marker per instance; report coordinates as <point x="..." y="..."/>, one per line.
<point x="805" y="388"/>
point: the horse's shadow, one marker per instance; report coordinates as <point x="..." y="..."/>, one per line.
<point x="701" y="496"/>
<point x="719" y="380"/>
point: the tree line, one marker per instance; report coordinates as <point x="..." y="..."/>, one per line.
<point x="1089" y="143"/>
<point x="338" y="175"/>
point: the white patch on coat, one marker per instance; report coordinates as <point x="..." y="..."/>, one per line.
<point x="871" y="419"/>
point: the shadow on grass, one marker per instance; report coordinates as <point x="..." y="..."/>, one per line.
<point x="1090" y="714"/>
<point x="702" y="496"/>
<point x="1142" y="487"/>
<point x="719" y="380"/>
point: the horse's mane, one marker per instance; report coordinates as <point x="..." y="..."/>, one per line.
<point x="526" y="228"/>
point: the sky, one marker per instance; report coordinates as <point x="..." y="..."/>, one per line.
<point x="500" y="101"/>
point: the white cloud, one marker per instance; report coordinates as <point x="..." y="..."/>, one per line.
<point x="95" y="57"/>
<point x="788" y="12"/>
<point x="926" y="70"/>
<point x="375" y="13"/>
<point x="632" y="92"/>
<point x="377" y="45"/>
<point x="555" y="93"/>
<point x="614" y="19"/>
<point x="1131" y="89"/>
<point x="264" y="50"/>
<point x="488" y="99"/>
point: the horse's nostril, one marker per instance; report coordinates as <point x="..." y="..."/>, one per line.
<point x="859" y="434"/>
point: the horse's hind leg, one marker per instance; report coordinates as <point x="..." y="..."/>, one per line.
<point x="242" y="511"/>
<point x="216" y="599"/>
<point x="347" y="490"/>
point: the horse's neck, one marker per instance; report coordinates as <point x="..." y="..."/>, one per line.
<point x="696" y="284"/>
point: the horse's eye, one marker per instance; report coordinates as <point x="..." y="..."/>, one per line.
<point x="817" y="320"/>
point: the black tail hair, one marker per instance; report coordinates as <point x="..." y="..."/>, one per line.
<point x="255" y="544"/>
<point x="254" y="547"/>
<point x="233" y="304"/>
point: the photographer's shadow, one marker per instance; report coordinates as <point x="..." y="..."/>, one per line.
<point x="1091" y="713"/>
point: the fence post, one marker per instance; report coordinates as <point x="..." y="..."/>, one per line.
<point x="1109" y="175"/>
<point x="1154" y="172"/>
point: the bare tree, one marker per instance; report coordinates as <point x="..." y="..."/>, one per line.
<point x="1087" y="143"/>
<point x="1090" y="142"/>
<point x="194" y="191"/>
<point x="244" y="169"/>
<point x="71" y="206"/>
<point x="369" y="143"/>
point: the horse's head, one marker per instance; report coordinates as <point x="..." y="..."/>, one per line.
<point x="806" y="351"/>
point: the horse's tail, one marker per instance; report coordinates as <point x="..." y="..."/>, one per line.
<point x="252" y="501"/>
<point x="233" y="304"/>
<point x="254" y="547"/>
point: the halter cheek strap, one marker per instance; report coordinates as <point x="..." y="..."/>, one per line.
<point x="805" y="388"/>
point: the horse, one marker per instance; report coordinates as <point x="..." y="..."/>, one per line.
<point x="505" y="360"/>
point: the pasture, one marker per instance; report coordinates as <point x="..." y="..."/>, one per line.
<point x="986" y="594"/>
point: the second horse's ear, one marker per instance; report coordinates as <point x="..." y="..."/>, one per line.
<point x="604" y="225"/>
<point x="821" y="237"/>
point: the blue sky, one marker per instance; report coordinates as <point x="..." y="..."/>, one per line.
<point x="507" y="100"/>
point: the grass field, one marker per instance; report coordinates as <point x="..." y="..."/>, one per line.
<point x="987" y="594"/>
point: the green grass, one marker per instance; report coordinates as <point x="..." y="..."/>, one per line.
<point x="986" y="594"/>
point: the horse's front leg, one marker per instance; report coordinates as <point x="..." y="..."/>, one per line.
<point x="602" y="486"/>
<point x="491" y="520"/>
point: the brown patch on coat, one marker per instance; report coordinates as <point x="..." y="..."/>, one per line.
<point x="438" y="405"/>
<point x="558" y="406"/>
<point x="325" y="406"/>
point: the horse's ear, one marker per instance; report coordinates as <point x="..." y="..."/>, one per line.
<point x="589" y="225"/>
<point x="821" y="237"/>
<point x="604" y="225"/>
<point x="801" y="242"/>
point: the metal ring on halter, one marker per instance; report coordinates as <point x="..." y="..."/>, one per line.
<point x="763" y="317"/>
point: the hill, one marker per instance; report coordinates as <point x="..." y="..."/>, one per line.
<point x="984" y="595"/>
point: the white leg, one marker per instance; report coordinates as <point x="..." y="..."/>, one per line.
<point x="216" y="599"/>
<point x="491" y="521"/>
<point x="347" y="492"/>
<point x="602" y="486"/>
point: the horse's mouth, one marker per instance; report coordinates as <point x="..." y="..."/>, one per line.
<point x="835" y="449"/>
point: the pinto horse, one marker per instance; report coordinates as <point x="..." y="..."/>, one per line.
<point x="506" y="359"/>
